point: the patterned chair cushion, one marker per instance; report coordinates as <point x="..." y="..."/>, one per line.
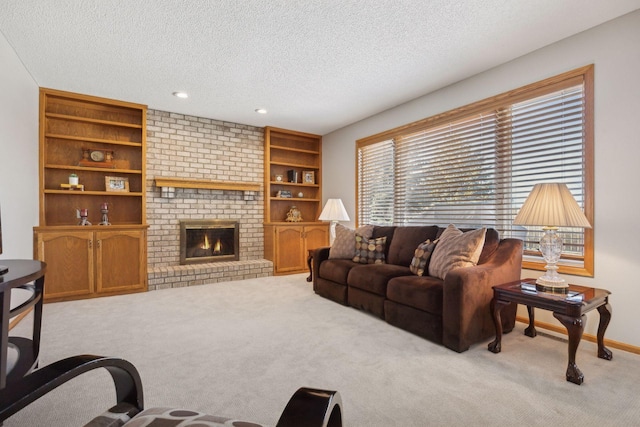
<point x="120" y="416"/>
<point x="167" y="417"/>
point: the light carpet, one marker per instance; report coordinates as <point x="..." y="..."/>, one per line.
<point x="242" y="348"/>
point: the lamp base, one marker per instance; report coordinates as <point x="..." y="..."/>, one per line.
<point x="551" y="248"/>
<point x="332" y="232"/>
<point x="3" y="269"/>
<point x="554" y="286"/>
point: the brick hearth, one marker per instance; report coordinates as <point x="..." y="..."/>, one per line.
<point x="200" y="148"/>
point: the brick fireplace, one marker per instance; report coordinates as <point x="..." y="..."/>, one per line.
<point x="198" y="148"/>
<point x="208" y="240"/>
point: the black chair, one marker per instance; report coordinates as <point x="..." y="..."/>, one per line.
<point x="306" y="408"/>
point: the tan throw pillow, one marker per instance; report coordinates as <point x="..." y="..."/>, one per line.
<point x="370" y="251"/>
<point x="456" y="249"/>
<point x="344" y="245"/>
<point x="421" y="257"/>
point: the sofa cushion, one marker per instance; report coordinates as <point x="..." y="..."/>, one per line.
<point x="423" y="293"/>
<point x="336" y="270"/>
<point x="421" y="256"/>
<point x="344" y="245"/>
<point x="374" y="278"/>
<point x="456" y="249"/>
<point x="491" y="243"/>
<point x="419" y="322"/>
<point x="387" y="232"/>
<point x="405" y="240"/>
<point x="370" y="251"/>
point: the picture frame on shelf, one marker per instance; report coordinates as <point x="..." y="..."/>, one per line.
<point x="284" y="194"/>
<point x="116" y="183"/>
<point x="308" y="177"/>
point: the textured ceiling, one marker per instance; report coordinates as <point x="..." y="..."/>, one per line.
<point x="315" y="65"/>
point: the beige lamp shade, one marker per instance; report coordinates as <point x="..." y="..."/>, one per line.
<point x="334" y="211"/>
<point x="551" y="205"/>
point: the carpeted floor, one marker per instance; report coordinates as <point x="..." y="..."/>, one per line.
<point x="242" y="348"/>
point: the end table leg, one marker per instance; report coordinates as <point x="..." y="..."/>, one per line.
<point x="605" y="317"/>
<point x="309" y="261"/>
<point x="496" y="306"/>
<point x="575" y="327"/>
<point x="531" y="330"/>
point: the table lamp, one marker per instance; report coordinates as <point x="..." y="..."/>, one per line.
<point x="551" y="206"/>
<point x="333" y="211"/>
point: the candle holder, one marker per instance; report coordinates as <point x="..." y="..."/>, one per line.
<point x="104" y="208"/>
<point x="84" y="213"/>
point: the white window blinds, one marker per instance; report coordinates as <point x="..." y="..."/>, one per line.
<point x="447" y="174"/>
<point x="544" y="141"/>
<point x="477" y="169"/>
<point x="376" y="176"/>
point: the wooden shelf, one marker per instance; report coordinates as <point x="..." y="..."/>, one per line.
<point x="293" y="199"/>
<point x="287" y="243"/>
<point x="88" y="139"/>
<point x="90" y="169"/>
<point x="90" y="120"/>
<point x="94" y="193"/>
<point x="206" y="184"/>
<point x="297" y="150"/>
<point x="295" y="184"/>
<point x="85" y="262"/>
<point x="296" y="165"/>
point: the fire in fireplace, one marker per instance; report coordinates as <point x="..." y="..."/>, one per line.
<point x="203" y="241"/>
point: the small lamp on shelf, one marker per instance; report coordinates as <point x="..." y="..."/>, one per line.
<point x="333" y="211"/>
<point x="551" y="206"/>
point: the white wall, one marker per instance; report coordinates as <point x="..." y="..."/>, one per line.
<point x="18" y="155"/>
<point x="613" y="48"/>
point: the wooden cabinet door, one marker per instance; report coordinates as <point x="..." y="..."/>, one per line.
<point x="69" y="258"/>
<point x="316" y="236"/>
<point x="121" y="261"/>
<point x="289" y="256"/>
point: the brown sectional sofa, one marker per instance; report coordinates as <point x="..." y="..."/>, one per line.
<point x="454" y="312"/>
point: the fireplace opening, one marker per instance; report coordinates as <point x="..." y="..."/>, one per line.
<point x="203" y="241"/>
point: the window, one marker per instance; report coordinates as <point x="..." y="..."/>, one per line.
<point x="475" y="166"/>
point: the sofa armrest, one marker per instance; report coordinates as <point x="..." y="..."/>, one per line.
<point x="467" y="294"/>
<point x="321" y="254"/>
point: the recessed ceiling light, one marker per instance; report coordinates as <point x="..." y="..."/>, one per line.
<point x="181" y="94"/>
<point x="261" y="111"/>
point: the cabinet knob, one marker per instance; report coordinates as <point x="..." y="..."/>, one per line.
<point x="90" y="244"/>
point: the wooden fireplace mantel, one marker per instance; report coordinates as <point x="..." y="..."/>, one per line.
<point x="168" y="185"/>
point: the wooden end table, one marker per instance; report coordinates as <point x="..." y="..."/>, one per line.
<point x="569" y="309"/>
<point x="310" y="264"/>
